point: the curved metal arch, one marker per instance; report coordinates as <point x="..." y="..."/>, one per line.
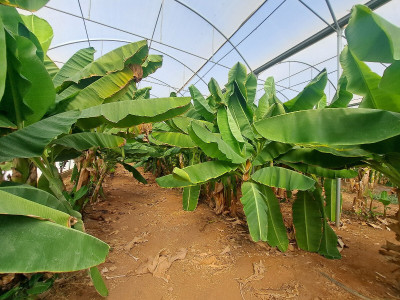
<point x="123" y="41"/>
<point x="219" y="31"/>
<point x="159" y="80"/>
<point x="304" y="63"/>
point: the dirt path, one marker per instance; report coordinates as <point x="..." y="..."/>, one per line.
<point x="219" y="260"/>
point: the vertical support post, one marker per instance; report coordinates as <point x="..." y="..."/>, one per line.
<point x="338" y="180"/>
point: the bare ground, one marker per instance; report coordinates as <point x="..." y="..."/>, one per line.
<point x="199" y="255"/>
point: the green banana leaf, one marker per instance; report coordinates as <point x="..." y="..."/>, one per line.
<point x="11" y="204"/>
<point x="195" y="174"/>
<point x="342" y="96"/>
<point x="44" y="246"/>
<point x="366" y="30"/>
<point x="213" y="145"/>
<point x="5" y="123"/>
<point x="313" y="157"/>
<point x="256" y="210"/>
<point x="109" y="88"/>
<point x="329" y="240"/>
<point x="85" y="140"/>
<point x="229" y="129"/>
<point x="36" y="195"/>
<point x="200" y="104"/>
<point x="277" y="235"/>
<point x="27" y="101"/>
<point x="41" y="29"/>
<point x="310" y="95"/>
<point x="237" y="79"/>
<point x="190" y="197"/>
<point x="323" y="172"/>
<point x="176" y="139"/>
<point x="37" y="136"/>
<point x="251" y="88"/>
<point x="307" y="221"/>
<point x="3" y="59"/>
<point x="135" y="173"/>
<point x="362" y="81"/>
<point x="330" y="198"/>
<point x="241" y="112"/>
<point x="31" y="5"/>
<point x="51" y="67"/>
<point x="151" y="64"/>
<point x="98" y="281"/>
<point x="283" y="178"/>
<point x="115" y="60"/>
<point x="215" y="91"/>
<point x="390" y="78"/>
<point x="74" y="65"/>
<point x="182" y="123"/>
<point x="330" y="126"/>
<point x="271" y="151"/>
<point x="128" y="113"/>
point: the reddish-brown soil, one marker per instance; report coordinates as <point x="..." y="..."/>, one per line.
<point x="220" y="254"/>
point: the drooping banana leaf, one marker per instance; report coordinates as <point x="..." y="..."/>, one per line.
<point x="277" y="235"/>
<point x="128" y="113"/>
<point x="51" y="67"/>
<point x="135" y="173"/>
<point x="310" y="95"/>
<point x="85" y="140"/>
<point x="331" y="126"/>
<point x="44" y="246"/>
<point x="190" y="197"/>
<point x="176" y="139"/>
<point x="330" y="198"/>
<point x="37" y="136"/>
<point x="98" y="281"/>
<point x="213" y="145"/>
<point x="283" y="178"/>
<point x="366" y="30"/>
<point x="256" y="210"/>
<point x="328" y="246"/>
<point x="216" y="91"/>
<point x="362" y="81"/>
<point x="196" y="174"/>
<point x="307" y="221"/>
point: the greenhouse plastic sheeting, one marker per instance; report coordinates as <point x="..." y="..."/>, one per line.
<point x="203" y="39"/>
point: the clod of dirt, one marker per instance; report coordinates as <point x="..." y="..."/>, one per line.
<point x="159" y="265"/>
<point x="137" y="240"/>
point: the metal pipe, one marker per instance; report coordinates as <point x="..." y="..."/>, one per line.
<point x="338" y="180"/>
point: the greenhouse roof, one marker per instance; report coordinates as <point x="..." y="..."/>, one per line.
<point x="291" y="40"/>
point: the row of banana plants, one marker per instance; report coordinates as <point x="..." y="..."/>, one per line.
<point x="301" y="145"/>
<point x="50" y="115"/>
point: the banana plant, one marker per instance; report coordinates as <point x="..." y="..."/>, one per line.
<point x="39" y="124"/>
<point x="226" y="132"/>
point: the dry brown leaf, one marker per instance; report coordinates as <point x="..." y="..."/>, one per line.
<point x="226" y="250"/>
<point x="374" y="226"/>
<point x="159" y="265"/>
<point x="137" y="240"/>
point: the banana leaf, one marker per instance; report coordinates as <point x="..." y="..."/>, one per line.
<point x="190" y="197"/>
<point x="85" y="140"/>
